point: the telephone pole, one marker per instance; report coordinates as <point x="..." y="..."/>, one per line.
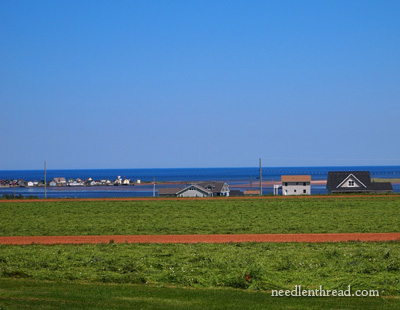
<point x="260" y="179"/>
<point x="154" y="187"/>
<point x="45" y="183"/>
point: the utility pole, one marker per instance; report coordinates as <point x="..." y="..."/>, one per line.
<point x="260" y="179"/>
<point x="45" y="183"/>
<point x="154" y="187"/>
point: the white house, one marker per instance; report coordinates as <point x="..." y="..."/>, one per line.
<point x="296" y="184"/>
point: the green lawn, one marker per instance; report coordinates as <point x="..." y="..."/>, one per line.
<point x="198" y="276"/>
<point x="317" y="215"/>
<point x="28" y="294"/>
<point x="393" y="180"/>
<point x="268" y="265"/>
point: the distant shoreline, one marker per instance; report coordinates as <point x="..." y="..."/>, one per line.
<point x="255" y="184"/>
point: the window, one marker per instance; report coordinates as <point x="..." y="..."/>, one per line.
<point x="295" y="191"/>
<point x="351" y="183"/>
<point x="285" y="183"/>
<point x="304" y="184"/>
<point x="304" y="191"/>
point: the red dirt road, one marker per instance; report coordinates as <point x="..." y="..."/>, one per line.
<point x="342" y="237"/>
<point x="366" y="196"/>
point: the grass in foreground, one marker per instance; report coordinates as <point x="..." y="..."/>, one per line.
<point x="28" y="294"/>
<point x="268" y="265"/>
<point x="327" y="215"/>
<point x="393" y="180"/>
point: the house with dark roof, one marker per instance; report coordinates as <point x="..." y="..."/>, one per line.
<point x="168" y="191"/>
<point x="217" y="188"/>
<point x="355" y="182"/>
<point x="203" y="189"/>
<point x="194" y="190"/>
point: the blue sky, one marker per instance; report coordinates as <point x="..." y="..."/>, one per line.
<point x="159" y="84"/>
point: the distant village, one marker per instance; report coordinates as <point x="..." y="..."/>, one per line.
<point x="70" y="182"/>
<point x="290" y="185"/>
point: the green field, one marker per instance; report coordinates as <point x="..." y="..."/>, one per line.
<point x="28" y="294"/>
<point x="313" y="215"/>
<point x="198" y="276"/>
<point x="394" y="180"/>
<point x="268" y="265"/>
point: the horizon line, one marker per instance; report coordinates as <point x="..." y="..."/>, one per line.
<point x="228" y="167"/>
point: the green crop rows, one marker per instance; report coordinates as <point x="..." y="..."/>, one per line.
<point x="317" y="215"/>
<point x="268" y="265"/>
<point x="120" y="276"/>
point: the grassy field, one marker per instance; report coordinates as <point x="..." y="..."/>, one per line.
<point x="395" y="180"/>
<point x="267" y="265"/>
<point x="198" y="276"/>
<point x="317" y="215"/>
<point x="28" y="294"/>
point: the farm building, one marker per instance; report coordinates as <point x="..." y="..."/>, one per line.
<point x="355" y="182"/>
<point x="203" y="189"/>
<point x="296" y="184"/>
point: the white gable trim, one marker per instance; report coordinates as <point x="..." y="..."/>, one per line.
<point x="348" y="177"/>
<point x="225" y="188"/>
<point x="199" y="188"/>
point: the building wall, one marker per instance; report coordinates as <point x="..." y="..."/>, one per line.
<point x="225" y="190"/>
<point x="192" y="193"/>
<point x="346" y="184"/>
<point x="296" y="188"/>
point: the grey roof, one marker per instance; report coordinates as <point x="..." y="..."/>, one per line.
<point x="235" y="193"/>
<point x="201" y="188"/>
<point x="215" y="187"/>
<point x="169" y="190"/>
<point x="382" y="186"/>
<point x="335" y="178"/>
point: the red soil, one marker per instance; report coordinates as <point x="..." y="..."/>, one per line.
<point x="203" y="198"/>
<point x="342" y="237"/>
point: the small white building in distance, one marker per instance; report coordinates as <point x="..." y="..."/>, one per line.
<point x="296" y="184"/>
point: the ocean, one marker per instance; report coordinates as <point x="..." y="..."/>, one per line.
<point x="239" y="178"/>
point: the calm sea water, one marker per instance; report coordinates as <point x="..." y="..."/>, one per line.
<point x="233" y="176"/>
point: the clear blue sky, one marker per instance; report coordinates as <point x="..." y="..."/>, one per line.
<point x="154" y="84"/>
